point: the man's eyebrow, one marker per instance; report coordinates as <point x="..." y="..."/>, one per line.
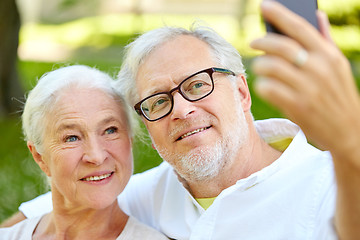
<point x="153" y="90"/>
<point x="159" y="86"/>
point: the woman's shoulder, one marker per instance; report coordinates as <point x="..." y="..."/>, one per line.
<point x="135" y="230"/>
<point x="22" y="230"/>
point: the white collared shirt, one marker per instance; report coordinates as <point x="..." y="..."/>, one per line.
<point x="293" y="198"/>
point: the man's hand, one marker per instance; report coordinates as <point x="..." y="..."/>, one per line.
<point x="306" y="76"/>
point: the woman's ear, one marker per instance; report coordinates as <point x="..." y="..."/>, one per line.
<point x="38" y="158"/>
<point x="242" y="87"/>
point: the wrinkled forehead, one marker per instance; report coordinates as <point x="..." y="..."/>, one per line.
<point x="169" y="64"/>
<point x="80" y="102"/>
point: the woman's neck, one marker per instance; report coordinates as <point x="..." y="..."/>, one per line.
<point x="62" y="223"/>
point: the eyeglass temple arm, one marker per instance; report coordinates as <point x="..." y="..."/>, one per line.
<point x="222" y="70"/>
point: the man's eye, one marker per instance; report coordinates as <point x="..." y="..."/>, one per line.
<point x="198" y="85"/>
<point x="71" y="138"/>
<point x="111" y="130"/>
<point x="159" y="102"/>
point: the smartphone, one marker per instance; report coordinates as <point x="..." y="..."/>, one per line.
<point x="305" y="8"/>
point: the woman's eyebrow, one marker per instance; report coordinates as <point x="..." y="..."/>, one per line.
<point x="112" y="119"/>
<point x="66" y="126"/>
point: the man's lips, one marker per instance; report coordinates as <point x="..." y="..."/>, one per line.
<point x="187" y="134"/>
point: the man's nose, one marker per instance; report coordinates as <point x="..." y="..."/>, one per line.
<point x="95" y="151"/>
<point x="182" y="108"/>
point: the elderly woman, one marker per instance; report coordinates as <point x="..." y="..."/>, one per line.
<point x="78" y="130"/>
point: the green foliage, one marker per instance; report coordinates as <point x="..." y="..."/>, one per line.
<point x="346" y="18"/>
<point x="68" y="3"/>
<point x="20" y="178"/>
<point x="340" y="13"/>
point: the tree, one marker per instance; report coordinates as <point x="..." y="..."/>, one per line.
<point x="10" y="87"/>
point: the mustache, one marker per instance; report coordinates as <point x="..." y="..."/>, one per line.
<point x="188" y="124"/>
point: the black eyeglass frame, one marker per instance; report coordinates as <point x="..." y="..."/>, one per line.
<point x="209" y="71"/>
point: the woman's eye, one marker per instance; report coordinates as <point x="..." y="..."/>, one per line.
<point x="71" y="138"/>
<point x="111" y="130"/>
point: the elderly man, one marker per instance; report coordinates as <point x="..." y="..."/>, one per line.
<point x="226" y="176"/>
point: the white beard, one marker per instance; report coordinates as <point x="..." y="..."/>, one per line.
<point x="206" y="162"/>
<point x="203" y="163"/>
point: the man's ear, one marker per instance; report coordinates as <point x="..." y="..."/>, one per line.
<point x="38" y="158"/>
<point x="242" y="87"/>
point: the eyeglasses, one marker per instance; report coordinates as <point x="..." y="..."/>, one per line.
<point x="194" y="88"/>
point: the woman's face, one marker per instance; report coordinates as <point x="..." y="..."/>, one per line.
<point x="87" y="148"/>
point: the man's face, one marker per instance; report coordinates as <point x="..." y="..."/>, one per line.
<point x="197" y="138"/>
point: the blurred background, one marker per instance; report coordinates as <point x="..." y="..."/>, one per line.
<point x="37" y="36"/>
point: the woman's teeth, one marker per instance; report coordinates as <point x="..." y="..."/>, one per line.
<point x="97" y="178"/>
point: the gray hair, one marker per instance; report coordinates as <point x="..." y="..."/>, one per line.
<point x="44" y="95"/>
<point x="222" y="51"/>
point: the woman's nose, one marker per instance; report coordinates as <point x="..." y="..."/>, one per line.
<point x="95" y="152"/>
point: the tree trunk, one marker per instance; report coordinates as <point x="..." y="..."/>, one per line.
<point x="11" y="91"/>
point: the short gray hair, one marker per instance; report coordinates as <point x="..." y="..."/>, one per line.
<point x="44" y="95"/>
<point x="222" y="51"/>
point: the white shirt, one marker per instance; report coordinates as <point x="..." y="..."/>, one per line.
<point x="133" y="230"/>
<point x="293" y="198"/>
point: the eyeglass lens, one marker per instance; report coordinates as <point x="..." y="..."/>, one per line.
<point x="191" y="89"/>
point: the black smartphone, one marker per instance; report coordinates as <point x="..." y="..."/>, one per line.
<point x="305" y="8"/>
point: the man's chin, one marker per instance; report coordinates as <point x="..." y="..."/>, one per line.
<point x="200" y="164"/>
